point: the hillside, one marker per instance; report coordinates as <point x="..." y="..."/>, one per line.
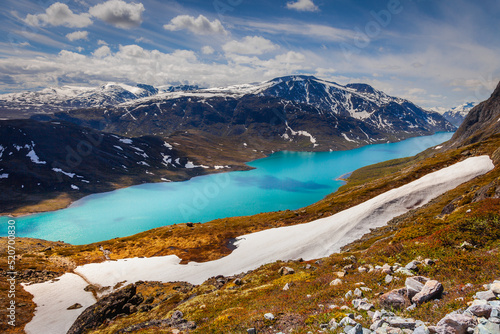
<point x="47" y="165"/>
<point x="457" y="234"/>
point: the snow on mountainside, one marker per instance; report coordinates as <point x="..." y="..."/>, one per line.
<point x="48" y="100"/>
<point x="296" y="112"/>
<point x="456" y="115"/>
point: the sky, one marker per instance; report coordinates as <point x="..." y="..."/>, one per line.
<point x="436" y="53"/>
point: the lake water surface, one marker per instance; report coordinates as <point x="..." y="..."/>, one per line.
<point x="285" y="180"/>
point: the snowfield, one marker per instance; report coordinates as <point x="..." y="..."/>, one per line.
<point x="313" y="240"/>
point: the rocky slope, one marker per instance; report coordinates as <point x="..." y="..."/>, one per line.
<point x="294" y="112"/>
<point x="42" y="160"/>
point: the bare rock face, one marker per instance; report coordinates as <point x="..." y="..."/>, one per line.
<point x="431" y="290"/>
<point x="124" y="301"/>
<point x="397" y="299"/>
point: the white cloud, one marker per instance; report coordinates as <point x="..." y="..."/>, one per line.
<point x="101" y="42"/>
<point x="101" y="52"/>
<point x="316" y="31"/>
<point x="200" y="25"/>
<point x="255" y="45"/>
<point x="207" y="50"/>
<point x="303" y="6"/>
<point x="74" y="36"/>
<point x="59" y="14"/>
<point x="119" y="13"/>
<point x="132" y="63"/>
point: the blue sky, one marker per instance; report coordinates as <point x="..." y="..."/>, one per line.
<point x="435" y="53"/>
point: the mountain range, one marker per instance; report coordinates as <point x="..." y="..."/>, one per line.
<point x="456" y="115"/>
<point x="206" y="131"/>
<point x="294" y="113"/>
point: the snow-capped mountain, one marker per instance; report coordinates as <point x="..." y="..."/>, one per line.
<point x="456" y="115"/>
<point x="302" y="111"/>
<point x="49" y="100"/>
<point x="299" y="112"/>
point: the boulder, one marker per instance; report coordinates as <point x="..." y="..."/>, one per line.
<point x="108" y="307"/>
<point x="413" y="265"/>
<point x="480" y="310"/>
<point x="357" y="329"/>
<point x="269" y="316"/>
<point x="396" y="299"/>
<point x="431" y="290"/>
<point x="286" y="271"/>
<point x="495" y="288"/>
<point x="487" y="327"/>
<point x="455" y="323"/>
<point x="485" y="295"/>
<point x="388" y="279"/>
<point x="414" y="285"/>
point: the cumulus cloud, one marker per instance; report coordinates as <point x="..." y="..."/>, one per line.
<point x="74" y="36"/>
<point x="59" y="14"/>
<point x="255" y="45"/>
<point x="132" y="63"/>
<point x="119" y="13"/>
<point x="101" y="52"/>
<point x="207" y="50"/>
<point x="200" y="25"/>
<point x="303" y="6"/>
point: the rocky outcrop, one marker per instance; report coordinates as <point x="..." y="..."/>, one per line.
<point x="124" y="302"/>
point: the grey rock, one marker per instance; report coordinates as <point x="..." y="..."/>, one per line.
<point x="348" y="294"/>
<point x="395" y="299"/>
<point x="269" y="316"/>
<point x="480" y="310"/>
<point x="346" y="321"/>
<point x="487" y="328"/>
<point x="455" y="323"/>
<point x="357" y="329"/>
<point x="388" y="279"/>
<point x="251" y="331"/>
<point x="421" y="330"/>
<point x="378" y="324"/>
<point x="358" y="293"/>
<point x="413" y="265"/>
<point x="495" y="312"/>
<point x="402" y="323"/>
<point x="485" y="295"/>
<point x="495" y="288"/>
<point x="414" y="285"/>
<point x="366" y="331"/>
<point x="431" y="290"/>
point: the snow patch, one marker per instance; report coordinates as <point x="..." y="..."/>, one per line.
<point x="118" y="147"/>
<point x="347" y="138"/>
<point x="126" y="140"/>
<point x="190" y="165"/>
<point x="167" y="145"/>
<point x="34" y="158"/>
<point x="74" y="187"/>
<point x="59" y="170"/>
<point x="4" y="176"/>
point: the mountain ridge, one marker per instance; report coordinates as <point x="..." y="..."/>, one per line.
<point x="293" y="113"/>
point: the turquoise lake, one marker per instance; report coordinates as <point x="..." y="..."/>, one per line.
<point x="285" y="180"/>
